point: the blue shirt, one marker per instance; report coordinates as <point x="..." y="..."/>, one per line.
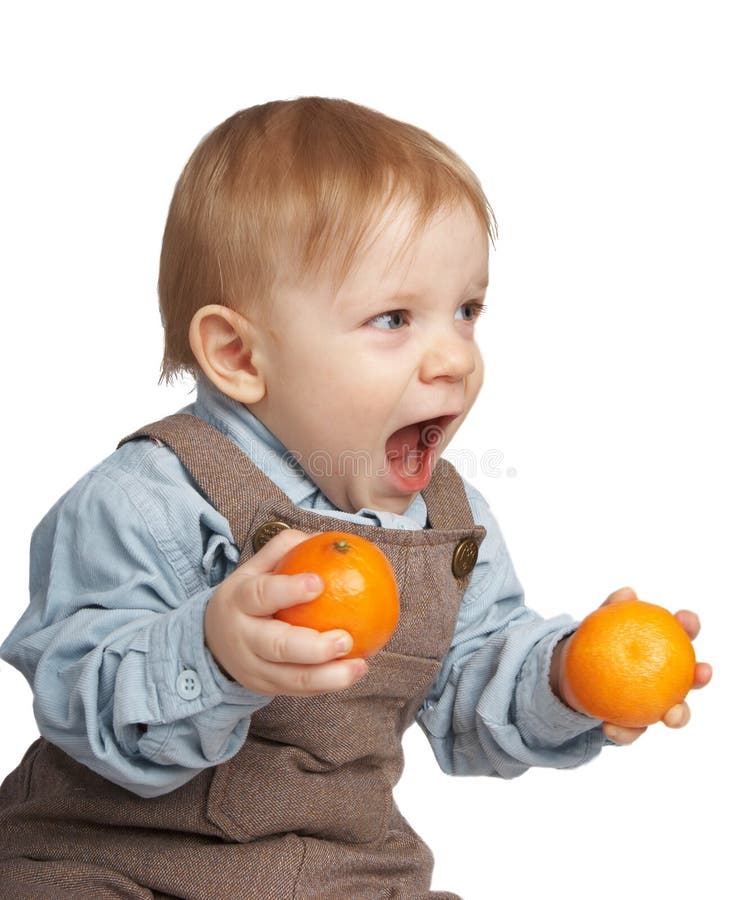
<point x="112" y="641"/>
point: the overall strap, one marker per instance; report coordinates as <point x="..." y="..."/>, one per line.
<point x="232" y="483"/>
<point x="235" y="486"/>
<point x="446" y="500"/>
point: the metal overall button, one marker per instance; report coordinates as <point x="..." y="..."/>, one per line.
<point x="464" y="557"/>
<point x="267" y="531"/>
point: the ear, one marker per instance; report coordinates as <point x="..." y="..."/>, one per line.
<point x="223" y="342"/>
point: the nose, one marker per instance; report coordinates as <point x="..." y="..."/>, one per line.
<point x="448" y="356"/>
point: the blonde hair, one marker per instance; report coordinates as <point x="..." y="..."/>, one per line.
<point x="287" y="187"/>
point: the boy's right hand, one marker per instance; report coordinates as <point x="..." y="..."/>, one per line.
<point x="266" y="655"/>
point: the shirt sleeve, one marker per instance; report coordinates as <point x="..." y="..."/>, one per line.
<point x="491" y="710"/>
<point x="112" y="641"/>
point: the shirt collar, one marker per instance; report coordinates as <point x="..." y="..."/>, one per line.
<point x="264" y="449"/>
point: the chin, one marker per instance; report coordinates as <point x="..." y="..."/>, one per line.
<point x="392" y="504"/>
<point x="398" y="507"/>
<point x="379" y="502"/>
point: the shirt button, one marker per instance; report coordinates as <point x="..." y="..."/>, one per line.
<point x="188" y="684"/>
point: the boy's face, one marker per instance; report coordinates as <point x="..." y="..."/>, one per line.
<point x="367" y="385"/>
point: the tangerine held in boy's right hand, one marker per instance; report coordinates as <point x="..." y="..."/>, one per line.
<point x="360" y="593"/>
<point x="628" y="663"/>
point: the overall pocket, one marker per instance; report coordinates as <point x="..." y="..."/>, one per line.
<point x="323" y="766"/>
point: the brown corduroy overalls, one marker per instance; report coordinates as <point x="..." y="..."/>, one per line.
<point x="305" y="809"/>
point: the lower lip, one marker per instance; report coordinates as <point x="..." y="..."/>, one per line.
<point x="408" y="483"/>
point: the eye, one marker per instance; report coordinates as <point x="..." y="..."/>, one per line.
<point x="470" y="311"/>
<point x="389" y="321"/>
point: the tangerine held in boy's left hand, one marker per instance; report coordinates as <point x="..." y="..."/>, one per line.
<point x="628" y="663"/>
<point x="360" y="593"/>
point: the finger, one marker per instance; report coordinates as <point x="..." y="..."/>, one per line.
<point x="308" y="681"/>
<point x="689" y="621"/>
<point x="677" y="716"/>
<point x="278" y="642"/>
<point x="625" y="593"/>
<point x="620" y="734"/>
<point x="703" y="672"/>
<point x="263" y="595"/>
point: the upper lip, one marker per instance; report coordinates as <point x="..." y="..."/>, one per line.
<point x="440" y="421"/>
<point x="443" y="419"/>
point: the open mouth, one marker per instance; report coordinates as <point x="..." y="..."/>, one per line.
<point x="411" y="452"/>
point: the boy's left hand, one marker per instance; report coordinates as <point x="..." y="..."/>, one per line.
<point x="677" y="716"/>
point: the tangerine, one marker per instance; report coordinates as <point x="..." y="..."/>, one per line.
<point x="628" y="663"/>
<point x="360" y="593"/>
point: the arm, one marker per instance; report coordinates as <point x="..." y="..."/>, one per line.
<point x="492" y="709"/>
<point x="121" y="571"/>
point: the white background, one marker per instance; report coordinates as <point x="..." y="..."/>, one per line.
<point x="612" y="141"/>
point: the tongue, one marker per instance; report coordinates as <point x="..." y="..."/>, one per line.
<point x="403" y="442"/>
<point x="408" y="457"/>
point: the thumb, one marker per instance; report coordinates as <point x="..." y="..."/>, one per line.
<point x="270" y="555"/>
<point x="625" y="593"/>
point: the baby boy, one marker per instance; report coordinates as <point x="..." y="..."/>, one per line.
<point x="323" y="273"/>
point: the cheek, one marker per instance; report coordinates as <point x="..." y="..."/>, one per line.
<point x="329" y="360"/>
<point x="477" y="376"/>
<point x="355" y="379"/>
<point x="311" y="373"/>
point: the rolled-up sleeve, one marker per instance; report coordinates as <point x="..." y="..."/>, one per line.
<point x="491" y="710"/>
<point x="112" y="641"/>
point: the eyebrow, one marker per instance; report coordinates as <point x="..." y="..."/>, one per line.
<point x="480" y="284"/>
<point x="405" y="297"/>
